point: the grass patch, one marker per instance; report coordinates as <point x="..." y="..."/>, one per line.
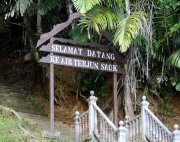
<point x="11" y="129"/>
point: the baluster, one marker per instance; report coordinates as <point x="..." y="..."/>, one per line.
<point x="109" y="135"/>
<point x="131" y="130"/>
<point x="154" y="131"/>
<point x="101" y="127"/>
<point x="166" y="137"/>
<point x="134" y="130"/>
<point x="86" y="124"/>
<point x="160" y="133"/>
<point x="80" y="123"/>
<point x="103" y="130"/>
<point x="77" y="127"/>
<point x="127" y="127"/>
<point x="157" y="132"/>
<point x="151" y="129"/>
<point x="147" y="126"/>
<point x="95" y="121"/>
<point x="137" y="129"/>
<point x="106" y="132"/>
<point x="163" y="136"/>
<point x="83" y="132"/>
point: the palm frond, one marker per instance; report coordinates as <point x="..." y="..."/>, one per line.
<point x="174" y="59"/>
<point x="20" y="7"/>
<point x="100" y="18"/>
<point x="128" y="29"/>
<point x="48" y="5"/>
<point x="84" y="5"/>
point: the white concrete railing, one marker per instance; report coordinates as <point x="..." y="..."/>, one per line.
<point x="153" y="129"/>
<point x="104" y="128"/>
<point x="133" y="127"/>
<point x="81" y="126"/>
<point x="94" y="124"/>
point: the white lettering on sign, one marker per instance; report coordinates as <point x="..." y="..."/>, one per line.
<point x="99" y="54"/>
<point x="66" y="49"/>
<point x="84" y="52"/>
<point x="74" y="62"/>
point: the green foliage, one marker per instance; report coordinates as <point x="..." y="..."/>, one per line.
<point x="174" y="29"/>
<point x="79" y="34"/>
<point x="20" y="7"/>
<point x="174" y="59"/>
<point x="84" y="5"/>
<point x="175" y="81"/>
<point x="95" y="80"/>
<point x="166" y="107"/>
<point x="47" y="5"/>
<point x="128" y="29"/>
<point x="9" y="130"/>
<point x="100" y="18"/>
<point x="37" y="103"/>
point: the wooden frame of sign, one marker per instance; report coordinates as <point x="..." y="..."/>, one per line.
<point x="108" y="60"/>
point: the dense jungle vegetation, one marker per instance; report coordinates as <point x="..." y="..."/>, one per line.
<point x="146" y="32"/>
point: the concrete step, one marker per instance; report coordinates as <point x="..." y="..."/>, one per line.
<point x="12" y="96"/>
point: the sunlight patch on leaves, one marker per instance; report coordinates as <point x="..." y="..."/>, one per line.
<point x="84" y="5"/>
<point x="100" y="18"/>
<point x="128" y="29"/>
<point x="174" y="59"/>
<point x="20" y="7"/>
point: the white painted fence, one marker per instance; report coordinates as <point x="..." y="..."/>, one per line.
<point x="94" y="125"/>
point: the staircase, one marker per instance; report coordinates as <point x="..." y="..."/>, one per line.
<point x="13" y="98"/>
<point x="94" y="126"/>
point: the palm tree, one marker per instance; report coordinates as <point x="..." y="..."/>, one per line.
<point x="109" y="15"/>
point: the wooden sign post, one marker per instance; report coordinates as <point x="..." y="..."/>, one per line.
<point x="51" y="86"/>
<point x="107" y="61"/>
<point x="80" y="52"/>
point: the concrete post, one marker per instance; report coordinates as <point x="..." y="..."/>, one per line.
<point x="122" y="132"/>
<point x="77" y="127"/>
<point x="144" y="105"/>
<point x="176" y="133"/>
<point x="91" y="100"/>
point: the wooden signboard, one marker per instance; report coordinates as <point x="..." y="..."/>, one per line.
<point x="82" y="52"/>
<point x="81" y="63"/>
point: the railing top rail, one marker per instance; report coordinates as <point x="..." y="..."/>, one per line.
<point x="136" y="117"/>
<point x="84" y="113"/>
<point x="158" y="121"/>
<point x="105" y="117"/>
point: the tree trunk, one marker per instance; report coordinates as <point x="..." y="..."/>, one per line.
<point x="39" y="21"/>
<point x="127" y="93"/>
<point x="2" y="25"/>
<point x="127" y="96"/>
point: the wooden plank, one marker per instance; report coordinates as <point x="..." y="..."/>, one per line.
<point x="57" y="28"/>
<point x="77" y="51"/>
<point x="120" y="57"/>
<point x="80" y="63"/>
